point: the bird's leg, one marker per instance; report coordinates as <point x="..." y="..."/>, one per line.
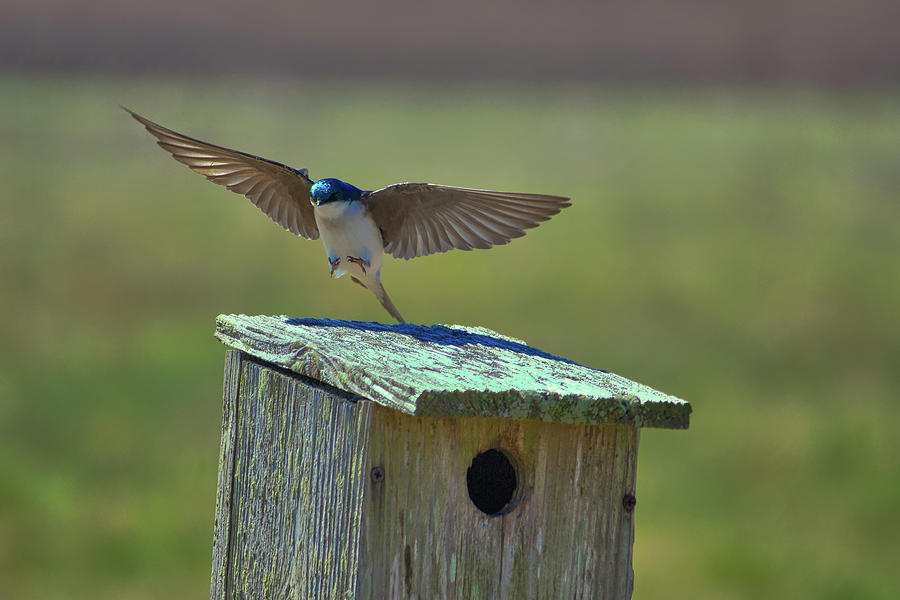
<point x="363" y="263"/>
<point x="334" y="262"/>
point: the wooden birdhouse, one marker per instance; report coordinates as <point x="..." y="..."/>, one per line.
<point x="362" y="460"/>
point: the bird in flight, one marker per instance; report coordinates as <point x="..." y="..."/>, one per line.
<point x="358" y="227"/>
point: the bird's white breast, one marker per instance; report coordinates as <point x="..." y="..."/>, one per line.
<point x="348" y="230"/>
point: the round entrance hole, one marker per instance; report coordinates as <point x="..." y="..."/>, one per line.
<point x="491" y="480"/>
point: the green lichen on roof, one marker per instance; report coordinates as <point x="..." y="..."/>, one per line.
<point x="450" y="371"/>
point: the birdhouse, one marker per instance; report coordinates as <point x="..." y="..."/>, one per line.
<point x="362" y="460"/>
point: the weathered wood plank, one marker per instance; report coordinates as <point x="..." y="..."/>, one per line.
<point x="572" y="537"/>
<point x="566" y="536"/>
<point x="297" y="489"/>
<point x="450" y="371"/>
<point x="423" y="536"/>
<point x="226" y="473"/>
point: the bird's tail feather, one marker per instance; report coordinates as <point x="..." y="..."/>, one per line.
<point x="374" y="285"/>
<point x="387" y="304"/>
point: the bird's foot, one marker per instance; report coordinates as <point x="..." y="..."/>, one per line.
<point x="334" y="263"/>
<point x="363" y="263"/>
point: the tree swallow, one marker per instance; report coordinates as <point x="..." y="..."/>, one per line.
<point x="357" y="227"/>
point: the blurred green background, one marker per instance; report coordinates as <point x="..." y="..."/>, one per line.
<point x="733" y="243"/>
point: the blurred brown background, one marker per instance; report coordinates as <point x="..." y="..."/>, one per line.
<point x="832" y="42"/>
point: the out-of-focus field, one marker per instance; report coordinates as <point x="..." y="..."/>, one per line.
<point x="736" y="247"/>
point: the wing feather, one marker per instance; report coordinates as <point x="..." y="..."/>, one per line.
<point x="423" y="218"/>
<point x="441" y="228"/>
<point x="465" y="232"/>
<point x="281" y="192"/>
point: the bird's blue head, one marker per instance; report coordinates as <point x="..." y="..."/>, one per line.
<point x="333" y="190"/>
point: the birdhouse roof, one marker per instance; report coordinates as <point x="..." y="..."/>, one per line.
<point x="450" y="371"/>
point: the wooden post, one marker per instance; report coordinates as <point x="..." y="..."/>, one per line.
<point x="367" y="461"/>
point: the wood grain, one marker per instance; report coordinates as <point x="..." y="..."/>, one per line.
<point x="289" y="528"/>
<point x="222" y="525"/>
<point x="450" y="371"/>
<point x="565" y="536"/>
<point x="299" y="514"/>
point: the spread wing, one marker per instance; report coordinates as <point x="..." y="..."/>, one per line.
<point x="278" y="190"/>
<point x="423" y="218"/>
